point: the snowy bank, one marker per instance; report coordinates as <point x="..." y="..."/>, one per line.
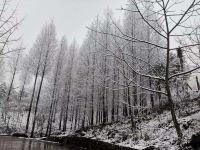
<point x="91" y="144"/>
<point x="157" y="132"/>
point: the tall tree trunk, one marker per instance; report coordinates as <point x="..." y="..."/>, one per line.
<point x="125" y="109"/>
<point x="20" y="98"/>
<point x="36" y="106"/>
<point x="158" y="86"/>
<point x="72" y="116"/>
<point x="167" y="87"/>
<point x="39" y="91"/>
<point x="84" y="114"/>
<point x="13" y="77"/>
<point x="130" y="110"/>
<point x="76" y="116"/>
<point x="104" y="93"/>
<point x="151" y="94"/>
<point x="32" y="97"/>
<point x="92" y="92"/>
<point x="113" y="92"/>
<point x="61" y="118"/>
<point x="67" y="106"/>
<point x="51" y="111"/>
<point x="198" y="85"/>
<point x="49" y="122"/>
<point x="68" y="91"/>
<point x="86" y="99"/>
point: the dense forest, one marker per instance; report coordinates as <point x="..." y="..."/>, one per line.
<point x="126" y="70"/>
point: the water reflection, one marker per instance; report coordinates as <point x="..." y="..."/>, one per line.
<point x="12" y="143"/>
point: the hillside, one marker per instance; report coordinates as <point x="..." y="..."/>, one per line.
<point x="152" y="131"/>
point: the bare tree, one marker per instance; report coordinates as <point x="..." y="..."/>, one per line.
<point x="47" y="43"/>
<point x="169" y="21"/>
<point x="57" y="83"/>
<point x="14" y="67"/>
<point x="8" y="27"/>
<point x="69" y="81"/>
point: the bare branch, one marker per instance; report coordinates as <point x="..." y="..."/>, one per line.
<point x="184" y="73"/>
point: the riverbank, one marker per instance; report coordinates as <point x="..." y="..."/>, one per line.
<point x="94" y="144"/>
<point x="153" y="133"/>
<point x="90" y="144"/>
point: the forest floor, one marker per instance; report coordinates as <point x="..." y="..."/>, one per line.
<point x="157" y="131"/>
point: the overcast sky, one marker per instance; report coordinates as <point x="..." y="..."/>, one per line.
<point x="70" y="16"/>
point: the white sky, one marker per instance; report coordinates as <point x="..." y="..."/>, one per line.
<point x="70" y="16"/>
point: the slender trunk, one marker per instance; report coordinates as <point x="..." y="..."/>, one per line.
<point x="198" y="85"/>
<point x="22" y="91"/>
<point x="49" y="118"/>
<point x="159" y="94"/>
<point x="61" y="117"/>
<point x="86" y="99"/>
<point x="67" y="107"/>
<point x="52" y="117"/>
<point x="92" y="92"/>
<point x="104" y="93"/>
<point x="36" y="106"/>
<point x="104" y="109"/>
<point x="113" y="107"/>
<point x="151" y="94"/>
<point x="31" y="103"/>
<point x="113" y="93"/>
<point x="118" y="98"/>
<point x="76" y="117"/>
<point x="65" y="119"/>
<point x="130" y="110"/>
<point x="97" y="114"/>
<point x="172" y="109"/>
<point x="72" y="117"/>
<point x="48" y="131"/>
<point x="169" y="96"/>
<point x="13" y="77"/>
<point x="84" y="114"/>
<point x="38" y="96"/>
<point x="20" y="98"/>
<point x="133" y="51"/>
<point x="125" y="110"/>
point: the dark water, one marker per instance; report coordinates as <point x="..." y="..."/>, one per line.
<point x="12" y="143"/>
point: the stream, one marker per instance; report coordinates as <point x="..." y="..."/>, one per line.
<point x="13" y="143"/>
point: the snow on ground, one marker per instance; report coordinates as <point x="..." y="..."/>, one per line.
<point x="68" y="132"/>
<point x="158" y="132"/>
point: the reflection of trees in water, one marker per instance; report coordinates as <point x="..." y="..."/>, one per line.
<point x="12" y="143"/>
<point x="23" y="144"/>
<point x="26" y="144"/>
<point x="29" y="145"/>
<point x="32" y="145"/>
<point x="45" y="146"/>
<point x="48" y="146"/>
